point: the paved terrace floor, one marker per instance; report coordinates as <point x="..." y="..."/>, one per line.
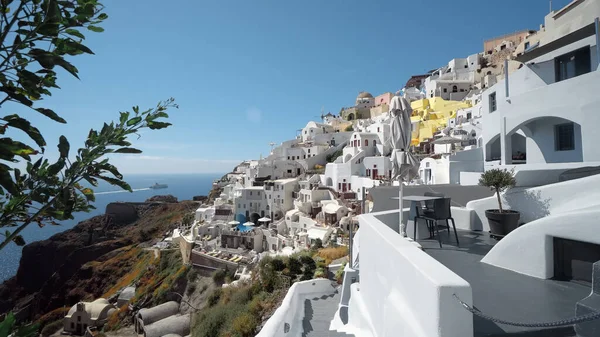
<point x="504" y="294"/>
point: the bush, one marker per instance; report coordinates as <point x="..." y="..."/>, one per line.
<point x="204" y="287"/>
<point x="332" y="253"/>
<point x="318" y="244"/>
<point x="245" y="325"/>
<point x="332" y="157"/>
<point x="219" y="276"/>
<point x="278" y="264"/>
<point x="339" y="274"/>
<point x="294" y="266"/>
<point x="349" y="128"/>
<point x="192" y="275"/>
<point x="214" y="297"/>
<point x="320" y="273"/>
<point x="191" y="288"/>
<point x="52" y="328"/>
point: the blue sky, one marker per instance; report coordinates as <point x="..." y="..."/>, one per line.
<point x="246" y="73"/>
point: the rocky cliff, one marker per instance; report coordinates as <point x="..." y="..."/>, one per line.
<point x="81" y="263"/>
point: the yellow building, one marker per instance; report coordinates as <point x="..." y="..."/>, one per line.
<point x="432" y="114"/>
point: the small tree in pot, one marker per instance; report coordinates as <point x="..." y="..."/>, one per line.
<point x="501" y="221"/>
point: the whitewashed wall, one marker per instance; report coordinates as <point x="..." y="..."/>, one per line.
<point x="407" y="293"/>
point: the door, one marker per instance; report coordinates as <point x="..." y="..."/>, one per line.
<point x="374" y="173"/>
<point x="573" y="260"/>
<point x="344" y="187"/>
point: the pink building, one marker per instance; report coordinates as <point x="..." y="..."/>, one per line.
<point x="383" y="99"/>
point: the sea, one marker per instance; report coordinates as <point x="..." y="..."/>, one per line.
<point x="182" y="186"/>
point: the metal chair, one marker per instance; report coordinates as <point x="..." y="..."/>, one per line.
<point x="440" y="211"/>
<point x="429" y="203"/>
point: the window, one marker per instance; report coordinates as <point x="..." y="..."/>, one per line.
<point x="445" y="89"/>
<point x="454" y="88"/>
<point x="378" y="129"/>
<point x="526" y="45"/>
<point x="469" y="115"/>
<point x="374" y="142"/>
<point x="492" y="102"/>
<point x="573" y="64"/>
<point x="564" y="137"/>
<point x="366" y="142"/>
<point x="250" y="204"/>
<point x="308" y="150"/>
<point x="368" y="172"/>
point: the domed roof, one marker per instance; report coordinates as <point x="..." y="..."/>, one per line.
<point x="364" y="94"/>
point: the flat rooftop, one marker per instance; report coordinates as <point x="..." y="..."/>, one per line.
<point x="504" y="294"/>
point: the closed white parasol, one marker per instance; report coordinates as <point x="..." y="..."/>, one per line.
<point x="405" y="166"/>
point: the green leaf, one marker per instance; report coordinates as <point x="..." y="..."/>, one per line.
<point x="134" y="121"/>
<point x="6" y="180"/>
<point x="67" y="66"/>
<point x="56" y="167"/>
<point x="112" y="169"/>
<point x="95" y="29"/>
<point x="75" y="32"/>
<point x="24" y="125"/>
<point x="123" y="118"/>
<point x="6" y="326"/>
<point x="78" y="46"/>
<point x="63" y="147"/>
<point x="158" y="125"/>
<point x="102" y="16"/>
<point x="10" y="148"/>
<point x="89" y="194"/>
<point x="127" y="150"/>
<point x="19" y="241"/>
<point x="51" y="114"/>
<point x="11" y="92"/>
<point x="116" y="182"/>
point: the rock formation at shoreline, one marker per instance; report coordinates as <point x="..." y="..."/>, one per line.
<point x="70" y="266"/>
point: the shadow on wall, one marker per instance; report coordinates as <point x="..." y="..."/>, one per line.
<point x="531" y="204"/>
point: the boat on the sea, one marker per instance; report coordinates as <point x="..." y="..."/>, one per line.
<point x="157" y="186"/>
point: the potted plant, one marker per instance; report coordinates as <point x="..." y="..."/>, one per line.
<point x="501" y="221"/>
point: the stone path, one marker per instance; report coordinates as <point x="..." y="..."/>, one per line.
<point x="318" y="313"/>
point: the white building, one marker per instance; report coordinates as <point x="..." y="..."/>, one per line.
<point x="205" y="213"/>
<point x="312" y="129"/>
<point x="279" y="196"/>
<point x="454" y="81"/>
<point x="251" y="203"/>
<point x="544" y="118"/>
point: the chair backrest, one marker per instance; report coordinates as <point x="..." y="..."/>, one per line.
<point x="441" y="208"/>
<point x="429" y="203"/>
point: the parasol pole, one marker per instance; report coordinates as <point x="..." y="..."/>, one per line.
<point x="400" y="195"/>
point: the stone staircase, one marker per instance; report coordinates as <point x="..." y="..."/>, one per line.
<point x="318" y="313"/>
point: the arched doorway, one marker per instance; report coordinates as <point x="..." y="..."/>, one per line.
<point x="454" y="88"/>
<point x="254" y="217"/>
<point x="328" y="182"/>
<point x="350" y="117"/>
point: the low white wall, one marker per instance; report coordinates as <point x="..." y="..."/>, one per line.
<point x="406" y="292"/>
<point x="537" y="202"/>
<point x="529" y="249"/>
<point x="469" y="178"/>
<point x="291" y="310"/>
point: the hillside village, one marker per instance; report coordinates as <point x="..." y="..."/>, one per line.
<point x="497" y="109"/>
